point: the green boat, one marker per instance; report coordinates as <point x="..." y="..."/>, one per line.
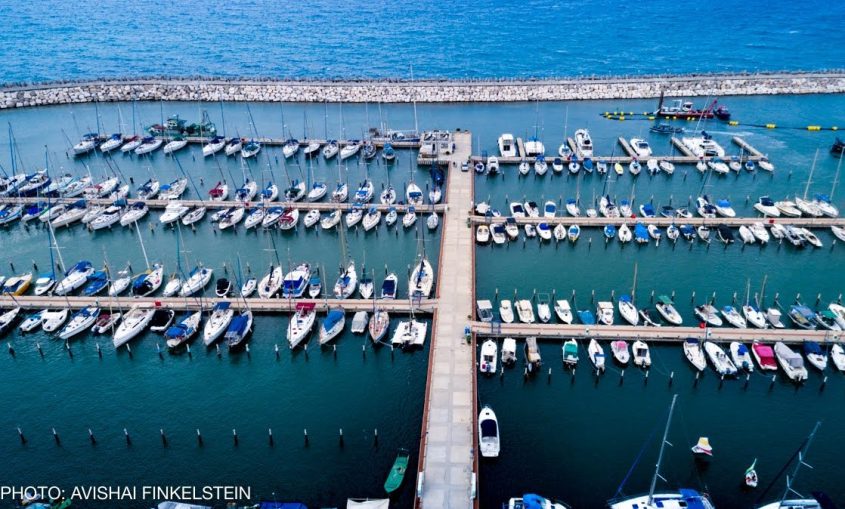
<point x="397" y="472"/>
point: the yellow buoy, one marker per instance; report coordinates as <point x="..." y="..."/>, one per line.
<point x="733" y="122"/>
<point x="770" y="126"/>
<point x="814" y="128"/>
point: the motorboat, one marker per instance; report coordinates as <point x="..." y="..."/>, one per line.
<point x="774" y="317"/>
<point x="525" y="311"/>
<point x="79" y="322"/>
<point x="604" y="312"/>
<point x="723" y="365"/>
<point x="488" y="433"/>
<point x="766" y="206"/>
<point x="741" y="356"/>
<point x="534" y="147"/>
<point x="573" y="232"/>
<point x="695" y="354"/>
<point x="628" y="310"/>
<point x="724" y="209"/>
<point x="507" y="147"/>
<point x="544" y="312"/>
<point x="732" y="316"/>
<point x="161" y="319"/>
<point x="793" y="235"/>
<point x="725" y="234"/>
<point x="544" y="231"/>
<point x="667" y="310"/>
<point x="8" y="317"/>
<point x="702" y="449"/>
<point x="837" y="355"/>
<point x="484" y="310"/>
<point x="802" y="316"/>
<point x="808" y="207"/>
<point x="640" y="147"/>
<point x="810" y="237"/>
<point x="540" y="166"/>
<point x="765" y="356"/>
<point x="625" y="234"/>
<point x="708" y="314"/>
<point x="482" y="234"/>
<point x="239" y="329"/>
<point x="223" y="287"/>
<point x="488" y="358"/>
<point x="218" y="322"/>
<point x="778" y="231"/>
<point x="619" y="348"/>
<point x="506" y="311"/>
<point x="413" y="194"/>
<point x="533" y="501"/>
<point x="790" y="362"/>
<point x="788" y="208"/>
<point x="754" y="316"/>
<point x="642" y="355"/>
<point x="652" y="166"/>
<point x="815" y="355"/>
<point x="759" y="231"/>
<point x="332" y="325"/>
<point x="301" y="323"/>
<point x="583" y="143"/>
<point x="32" y="321"/>
<point x="52" y="320"/>
<point x="389" y="286"/>
<point x="564" y="311"/>
<point x="570" y="353"/>
<point x="492" y="166"/>
<point x="703" y="146"/>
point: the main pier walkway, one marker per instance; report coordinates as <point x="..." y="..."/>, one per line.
<point x="447" y="463"/>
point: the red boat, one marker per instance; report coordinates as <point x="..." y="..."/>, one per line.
<point x="765" y="356"/>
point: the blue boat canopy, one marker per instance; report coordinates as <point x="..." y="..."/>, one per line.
<point x="222" y="306"/>
<point x="811" y="347"/>
<point x="332" y="319"/>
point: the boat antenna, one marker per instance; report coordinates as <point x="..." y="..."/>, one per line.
<point x="801" y="452"/>
<point x="660" y="455"/>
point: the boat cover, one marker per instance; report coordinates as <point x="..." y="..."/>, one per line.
<point x="332" y="319"/>
<point x="532" y="501"/>
<point x="693" y="499"/>
<point x="383" y="503"/>
<point x="811" y="347"/>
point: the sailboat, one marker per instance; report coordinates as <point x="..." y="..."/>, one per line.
<point x="751" y="475"/>
<point x="819" y="500"/>
<point x="682" y="498"/>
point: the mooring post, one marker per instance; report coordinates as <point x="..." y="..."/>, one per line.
<point x="91" y="437"/>
<point x="56" y="437"/>
<point x="671" y="378"/>
<point x="163" y="437"/>
<point x="340" y="435"/>
<point x="621" y="376"/>
<point x="270" y="436"/>
<point x="21" y="436"/>
<point x="199" y="438"/>
<point x="235" y="436"/>
<point x="375" y="437"/>
<point x="128" y="439"/>
<point x="305" y="433"/>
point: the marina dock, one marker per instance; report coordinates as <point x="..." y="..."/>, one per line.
<point x="657" y="334"/>
<point x="447" y="465"/>
<point x="810" y="222"/>
<point x="275" y="305"/>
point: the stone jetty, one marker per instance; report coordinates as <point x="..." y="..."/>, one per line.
<point x="428" y="91"/>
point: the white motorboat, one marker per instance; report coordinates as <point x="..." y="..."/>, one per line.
<point x="488" y="358"/>
<point x="583" y="143"/>
<point x="218" y="322"/>
<point x="837" y="355"/>
<point x="332" y="325"/>
<point x="359" y="322"/>
<point x="720" y="361"/>
<point x="506" y="311"/>
<point x="640" y="147"/>
<point x="708" y="314"/>
<point x="642" y="355"/>
<point x="628" y="310"/>
<point x="667" y="310"/>
<point x="79" y="322"/>
<point x="754" y="316"/>
<point x="815" y="355"/>
<point x="759" y="231"/>
<point x="534" y="147"/>
<point x="732" y="316"/>
<point x="766" y="206"/>
<point x="808" y="207"/>
<point x="723" y="208"/>
<point x="508" y="352"/>
<point x="52" y="320"/>
<point x="703" y="146"/>
<point x="619" y="348"/>
<point x="173" y="212"/>
<point x="625" y="234"/>
<point x="525" y="311"/>
<point x="604" y="312"/>
<point x="488" y="433"/>
<point x="421" y="280"/>
<point x="741" y="356"/>
<point x="413" y="194"/>
<point x="544" y="311"/>
<point x="695" y="354"/>
<point x="492" y="166"/>
<point x="301" y="323"/>
<point x="507" y="147"/>
<point x="482" y="234"/>
<point x="788" y="208"/>
<point x="790" y="362"/>
<point x="564" y="311"/>
<point x="746" y="235"/>
<point x="32" y="321"/>
<point x="596" y="354"/>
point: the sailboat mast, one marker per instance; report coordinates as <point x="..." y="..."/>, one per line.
<point x="812" y="170"/>
<point x="836" y="177"/>
<point x="56" y="245"/>
<point x="143" y="249"/>
<point x="634" y="286"/>
<point x="801" y="453"/>
<point x="416" y="126"/>
<point x="660" y="455"/>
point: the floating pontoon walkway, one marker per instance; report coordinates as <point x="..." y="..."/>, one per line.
<point x="811" y="222"/>
<point x="666" y="334"/>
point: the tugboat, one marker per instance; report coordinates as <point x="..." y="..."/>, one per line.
<point x="680" y="109"/>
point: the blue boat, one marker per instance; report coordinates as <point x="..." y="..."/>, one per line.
<point x="687" y="231"/>
<point x="610" y="231"/>
<point x="641" y="233"/>
<point x="97" y="282"/>
<point x="388" y="153"/>
<point x="587" y="317"/>
<point x="667" y="211"/>
<point x="588" y="165"/>
<point x="647" y="210"/>
<point x="802" y="316"/>
<point x="238" y="330"/>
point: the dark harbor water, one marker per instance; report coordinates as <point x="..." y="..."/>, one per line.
<point x="570" y="440"/>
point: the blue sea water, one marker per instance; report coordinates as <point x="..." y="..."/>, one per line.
<point x="55" y="40"/>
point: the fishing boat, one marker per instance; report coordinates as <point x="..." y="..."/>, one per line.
<point x="723" y="365"/>
<point x="741" y="356"/>
<point x="397" y="472"/>
<point x="179" y="334"/>
<point x="815" y="355"/>
<point x="702" y="449"/>
<point x="764" y="355"/>
<point x="695" y="354"/>
<point x="751" y="475"/>
<point x="488" y="357"/>
<point x="533" y="360"/>
<point x="642" y="355"/>
<point x="790" y="362"/>
<point x="79" y="322"/>
<point x="221" y="316"/>
<point x="238" y="330"/>
<point x="570" y="353"/>
<point x="301" y="323"/>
